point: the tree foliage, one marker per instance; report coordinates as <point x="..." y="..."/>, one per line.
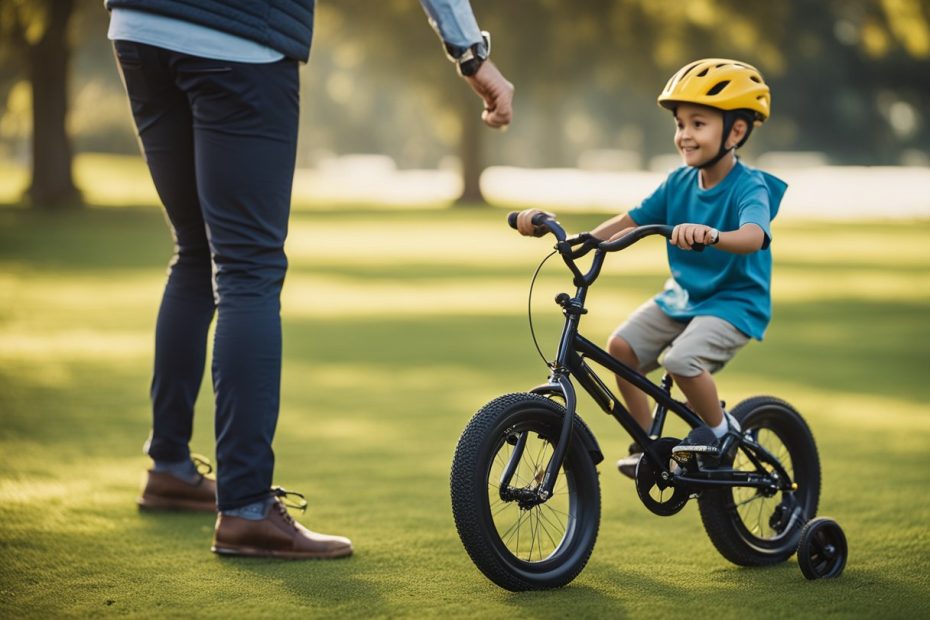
<point x="848" y="78"/>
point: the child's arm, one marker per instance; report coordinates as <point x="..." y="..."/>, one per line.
<point x="612" y="227"/>
<point x="605" y="232"/>
<point x="745" y="240"/>
<point x="525" y="222"/>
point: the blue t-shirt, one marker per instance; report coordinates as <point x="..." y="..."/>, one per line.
<point x="733" y="287"/>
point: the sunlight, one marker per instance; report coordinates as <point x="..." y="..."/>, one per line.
<point x="84" y="483"/>
<point x="432" y="241"/>
<point x="75" y="344"/>
<point x="805" y="285"/>
<point x="320" y="296"/>
<point x="824" y="192"/>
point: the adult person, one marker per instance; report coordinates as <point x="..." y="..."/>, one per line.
<point x="213" y="88"/>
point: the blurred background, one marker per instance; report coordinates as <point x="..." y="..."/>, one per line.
<point x="405" y="306"/>
<point x="385" y="119"/>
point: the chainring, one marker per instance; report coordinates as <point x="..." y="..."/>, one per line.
<point x="657" y="494"/>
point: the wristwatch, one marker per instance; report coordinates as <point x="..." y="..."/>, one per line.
<point x="469" y="59"/>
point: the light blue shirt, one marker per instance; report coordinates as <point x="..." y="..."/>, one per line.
<point x="733" y="287"/>
<point x="453" y="20"/>
<point x="186" y="37"/>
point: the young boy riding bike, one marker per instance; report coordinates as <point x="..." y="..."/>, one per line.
<point x="716" y="300"/>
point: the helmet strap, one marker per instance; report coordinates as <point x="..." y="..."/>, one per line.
<point x="713" y="160"/>
<point x="729" y="119"/>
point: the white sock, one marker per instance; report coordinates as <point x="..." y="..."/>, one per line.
<point x="733" y="423"/>
<point x="721" y="429"/>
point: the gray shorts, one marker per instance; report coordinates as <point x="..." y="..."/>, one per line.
<point x="703" y="343"/>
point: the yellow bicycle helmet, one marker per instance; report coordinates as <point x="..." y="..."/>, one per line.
<point x="719" y="83"/>
<point x="735" y="88"/>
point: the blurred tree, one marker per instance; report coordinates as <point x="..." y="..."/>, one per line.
<point x="849" y="79"/>
<point x="35" y="35"/>
<point x="844" y="75"/>
<point x="396" y="50"/>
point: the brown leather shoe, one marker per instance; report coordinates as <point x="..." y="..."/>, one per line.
<point x="166" y="492"/>
<point x="278" y="535"/>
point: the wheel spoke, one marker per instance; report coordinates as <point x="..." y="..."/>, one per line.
<point x="544" y="521"/>
<point x="514" y="529"/>
<point x="558" y="523"/>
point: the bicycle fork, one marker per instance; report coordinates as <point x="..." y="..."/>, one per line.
<point x="559" y="385"/>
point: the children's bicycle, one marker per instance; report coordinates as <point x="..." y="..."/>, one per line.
<point x="525" y="493"/>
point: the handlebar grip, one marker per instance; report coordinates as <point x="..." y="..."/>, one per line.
<point x="537" y="220"/>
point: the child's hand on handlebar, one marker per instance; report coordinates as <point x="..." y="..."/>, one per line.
<point x="525" y="222"/>
<point x="687" y="235"/>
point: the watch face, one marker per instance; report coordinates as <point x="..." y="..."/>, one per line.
<point x="471" y="58"/>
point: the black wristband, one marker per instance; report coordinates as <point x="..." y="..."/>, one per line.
<point x="468" y="60"/>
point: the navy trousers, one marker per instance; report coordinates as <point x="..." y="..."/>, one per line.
<point x="220" y="142"/>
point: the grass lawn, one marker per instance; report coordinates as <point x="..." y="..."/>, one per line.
<point x="398" y="326"/>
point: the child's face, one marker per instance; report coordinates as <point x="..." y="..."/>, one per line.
<point x="698" y="132"/>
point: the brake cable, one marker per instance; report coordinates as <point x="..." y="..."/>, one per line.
<point x="529" y="308"/>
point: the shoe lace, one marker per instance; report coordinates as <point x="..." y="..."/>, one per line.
<point x="203" y="464"/>
<point x="282" y="495"/>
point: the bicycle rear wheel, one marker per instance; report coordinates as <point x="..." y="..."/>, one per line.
<point x="517" y="544"/>
<point x="749" y="526"/>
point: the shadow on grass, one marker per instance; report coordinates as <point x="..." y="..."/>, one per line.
<point x="91" y="239"/>
<point x="329" y="585"/>
<point x="846" y="346"/>
<point x="836" y="345"/>
<point x="576" y="599"/>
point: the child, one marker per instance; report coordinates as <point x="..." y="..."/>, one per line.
<point x="718" y="299"/>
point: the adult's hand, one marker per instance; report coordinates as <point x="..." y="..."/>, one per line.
<point x="496" y="92"/>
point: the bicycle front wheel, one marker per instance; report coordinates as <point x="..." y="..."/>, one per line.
<point x="520" y="544"/>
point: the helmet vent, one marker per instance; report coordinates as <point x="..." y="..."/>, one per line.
<point x="688" y="70"/>
<point x="718" y="87"/>
<point x="755" y="79"/>
<point x="703" y="73"/>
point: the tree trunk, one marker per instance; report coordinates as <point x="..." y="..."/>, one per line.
<point x="52" y="184"/>
<point x="470" y="150"/>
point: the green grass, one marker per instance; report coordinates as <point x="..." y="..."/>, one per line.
<point x="398" y="326"/>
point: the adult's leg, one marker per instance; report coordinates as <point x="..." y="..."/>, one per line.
<point x="165" y="126"/>
<point x="245" y="136"/>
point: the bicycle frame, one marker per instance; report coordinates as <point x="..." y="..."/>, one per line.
<point x="570" y="362"/>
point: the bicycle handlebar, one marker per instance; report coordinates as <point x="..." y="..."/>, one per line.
<point x="546" y="223"/>
<point x="543" y="224"/>
<point x="566" y="245"/>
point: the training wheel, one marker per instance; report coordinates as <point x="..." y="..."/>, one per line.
<point x="822" y="550"/>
